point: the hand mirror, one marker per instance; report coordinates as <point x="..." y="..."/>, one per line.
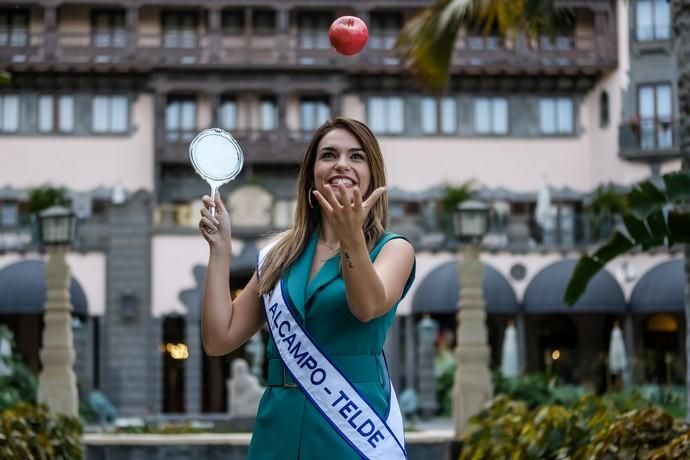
<point x="217" y="157"/>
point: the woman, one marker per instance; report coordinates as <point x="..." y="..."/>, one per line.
<point x="342" y="276"/>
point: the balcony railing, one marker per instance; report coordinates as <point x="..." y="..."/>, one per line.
<point x="649" y="139"/>
<point x="146" y="50"/>
<point x="548" y="53"/>
<point x="258" y="146"/>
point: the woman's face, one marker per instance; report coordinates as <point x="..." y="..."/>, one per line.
<point x="340" y="159"/>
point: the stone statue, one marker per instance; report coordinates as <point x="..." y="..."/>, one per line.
<point x="244" y="391"/>
<point x="255" y="349"/>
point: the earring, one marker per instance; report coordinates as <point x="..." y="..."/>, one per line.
<point x="309" y="193"/>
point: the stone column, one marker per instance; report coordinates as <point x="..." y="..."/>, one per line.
<point x="57" y="384"/>
<point x="215" y="36"/>
<point x="132" y="25"/>
<point x="283" y="31"/>
<point x="472" y="386"/>
<point x="50" y="30"/>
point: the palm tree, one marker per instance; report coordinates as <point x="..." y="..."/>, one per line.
<point x="426" y="45"/>
<point x="427" y="40"/>
<point x="680" y="12"/>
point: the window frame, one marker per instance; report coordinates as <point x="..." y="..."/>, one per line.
<point x="491" y="132"/>
<point x="655" y="32"/>
<point x="656" y="120"/>
<point x="114" y="32"/>
<point x="18" y="113"/>
<point x="387" y="99"/>
<point x="178" y="31"/>
<point x="56" y="115"/>
<point x="109" y="131"/>
<point x="557" y="132"/>
<point x="181" y="134"/>
<point x="313" y="102"/>
<point x="439" y="115"/>
<point x="13" y="27"/>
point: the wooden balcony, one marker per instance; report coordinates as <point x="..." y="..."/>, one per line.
<point x="259" y="147"/>
<point x="147" y="51"/>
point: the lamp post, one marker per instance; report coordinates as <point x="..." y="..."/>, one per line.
<point x="472" y="385"/>
<point x="57" y="386"/>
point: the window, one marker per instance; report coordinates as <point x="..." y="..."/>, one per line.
<point x="604" y="112"/>
<point x="313" y="30"/>
<point x="268" y="114"/>
<point x="232" y="21"/>
<point x="384" y="29"/>
<point x="313" y="112"/>
<point x="386" y="115"/>
<point x="56" y="117"/>
<point x="491" y="115"/>
<point x="109" y="114"/>
<point x="179" y="30"/>
<point x="228" y="113"/>
<point x="655" y="105"/>
<point x="556" y="115"/>
<point x="653" y="20"/>
<point x="180" y="119"/>
<point x="563" y="36"/>
<point x="9" y="113"/>
<point x="435" y="113"/>
<point x="264" y="22"/>
<point x="9" y="214"/>
<point x="14" y="28"/>
<point x="109" y="29"/>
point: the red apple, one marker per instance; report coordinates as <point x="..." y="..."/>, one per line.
<point x="348" y="35"/>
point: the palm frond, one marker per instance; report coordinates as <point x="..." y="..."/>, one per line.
<point x="426" y="42"/>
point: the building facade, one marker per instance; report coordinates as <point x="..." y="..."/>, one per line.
<point x="105" y="101"/>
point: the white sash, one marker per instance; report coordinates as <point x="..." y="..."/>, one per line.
<point x="328" y="389"/>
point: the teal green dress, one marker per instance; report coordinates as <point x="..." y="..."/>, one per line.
<point x="288" y="426"/>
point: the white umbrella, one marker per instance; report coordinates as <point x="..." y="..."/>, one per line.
<point x="5" y="352"/>
<point x="542" y="213"/>
<point x="618" y="361"/>
<point x="510" y="365"/>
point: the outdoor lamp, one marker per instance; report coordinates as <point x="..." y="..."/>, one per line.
<point x="57" y="226"/>
<point x="427" y="329"/>
<point x="471" y="221"/>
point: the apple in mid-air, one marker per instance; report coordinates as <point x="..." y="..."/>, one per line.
<point x="348" y="35"/>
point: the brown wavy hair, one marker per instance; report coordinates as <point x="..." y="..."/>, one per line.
<point x="307" y="219"/>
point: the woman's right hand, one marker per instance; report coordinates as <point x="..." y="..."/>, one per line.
<point x="215" y="230"/>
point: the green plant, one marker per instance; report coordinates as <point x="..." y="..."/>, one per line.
<point x="606" y="203"/>
<point x="635" y="434"/>
<point x="444" y="390"/>
<point x="654" y="217"/>
<point x="21" y="384"/>
<point x="43" y="197"/>
<point x="29" y="432"/>
<point x="679" y="447"/>
<point x="451" y="197"/>
<point x="592" y="428"/>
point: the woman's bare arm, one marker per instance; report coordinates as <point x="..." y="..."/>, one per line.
<point x="225" y="324"/>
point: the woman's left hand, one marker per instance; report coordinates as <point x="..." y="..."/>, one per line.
<point x="346" y="213"/>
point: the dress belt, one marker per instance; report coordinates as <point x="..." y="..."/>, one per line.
<point x="356" y="368"/>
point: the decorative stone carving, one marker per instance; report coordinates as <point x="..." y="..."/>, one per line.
<point x="244" y="391"/>
<point x="251" y="206"/>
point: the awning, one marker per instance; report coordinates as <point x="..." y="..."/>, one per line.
<point x="438" y="292"/>
<point x="660" y="289"/>
<point x="544" y="294"/>
<point x="23" y="289"/>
